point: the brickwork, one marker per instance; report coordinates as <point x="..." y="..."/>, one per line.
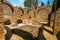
<point x="2" y="33"/>
<point x="27" y="15"/>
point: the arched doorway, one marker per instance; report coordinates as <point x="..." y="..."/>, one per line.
<point x="19" y="21"/>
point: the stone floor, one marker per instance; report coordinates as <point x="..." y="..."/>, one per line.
<point x="34" y="31"/>
<point x="48" y="36"/>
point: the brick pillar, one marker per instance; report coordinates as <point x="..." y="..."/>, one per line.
<point x="2" y="32"/>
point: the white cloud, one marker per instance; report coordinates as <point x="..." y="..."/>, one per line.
<point x="21" y="3"/>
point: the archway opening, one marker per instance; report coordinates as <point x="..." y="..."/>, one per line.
<point x="7" y="22"/>
<point x="19" y="21"/>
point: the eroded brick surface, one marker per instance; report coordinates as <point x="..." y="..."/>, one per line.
<point x="2" y="33"/>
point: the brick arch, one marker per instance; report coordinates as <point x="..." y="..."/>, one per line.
<point x="9" y="5"/>
<point x="30" y="10"/>
<point x="43" y="14"/>
<point x="22" y="10"/>
<point x="42" y="9"/>
<point x="19" y="21"/>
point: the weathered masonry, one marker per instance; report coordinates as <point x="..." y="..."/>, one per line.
<point x="27" y="15"/>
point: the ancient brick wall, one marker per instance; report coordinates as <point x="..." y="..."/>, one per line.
<point x="2" y="33"/>
<point x="57" y="21"/>
<point x="27" y="15"/>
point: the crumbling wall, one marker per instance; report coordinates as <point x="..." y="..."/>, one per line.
<point x="2" y="32"/>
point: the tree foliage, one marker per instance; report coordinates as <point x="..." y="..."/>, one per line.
<point x="42" y="4"/>
<point x="36" y="4"/>
<point x="27" y="3"/>
<point x="48" y="2"/>
<point x="30" y="3"/>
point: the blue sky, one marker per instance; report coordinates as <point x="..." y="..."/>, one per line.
<point x="45" y="2"/>
<point x="21" y="2"/>
<point x="17" y="2"/>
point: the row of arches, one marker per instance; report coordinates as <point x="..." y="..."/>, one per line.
<point x="33" y="12"/>
<point x="30" y="9"/>
<point x="41" y="12"/>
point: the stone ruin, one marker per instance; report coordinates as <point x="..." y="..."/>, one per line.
<point x="26" y="15"/>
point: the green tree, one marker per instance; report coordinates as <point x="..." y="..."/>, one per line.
<point x="36" y="4"/>
<point x="48" y="3"/>
<point x="27" y="3"/>
<point x="31" y="3"/>
<point x="42" y="4"/>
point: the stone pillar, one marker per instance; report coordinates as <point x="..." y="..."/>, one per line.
<point x="2" y="32"/>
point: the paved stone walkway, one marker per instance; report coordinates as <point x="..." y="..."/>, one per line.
<point x="49" y="36"/>
<point x="34" y="31"/>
